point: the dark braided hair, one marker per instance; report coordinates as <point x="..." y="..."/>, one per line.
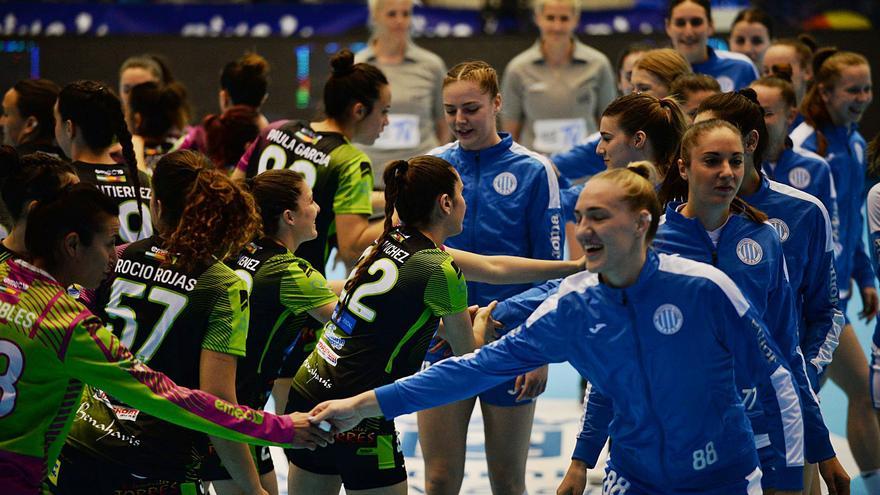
<point x="412" y="188"/>
<point x="97" y="111"/>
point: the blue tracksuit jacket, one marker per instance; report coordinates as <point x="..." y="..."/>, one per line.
<point x="846" y="155"/>
<point x="733" y="71"/>
<point x="513" y="208"/>
<point x="662" y="357"/>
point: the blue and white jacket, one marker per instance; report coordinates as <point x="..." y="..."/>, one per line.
<point x="513" y="208"/>
<point x="873" y="209"/>
<point x="809" y="172"/>
<point x="846" y="155"/>
<point x="733" y="71"/>
<point x="804" y="228"/>
<point x="661" y="350"/>
<point x="580" y="161"/>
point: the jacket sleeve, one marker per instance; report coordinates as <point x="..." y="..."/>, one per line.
<point x="540" y="341"/>
<point x="513" y="311"/>
<point x="827" y="194"/>
<point x="777" y="389"/>
<point x="546" y="227"/>
<point x="781" y="319"/>
<point x="862" y="270"/>
<point x="823" y="320"/>
<point x="95" y="356"/>
<point x="598" y="412"/>
<point x="580" y="161"/>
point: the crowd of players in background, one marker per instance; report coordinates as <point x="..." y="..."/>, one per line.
<point x="224" y="230"/>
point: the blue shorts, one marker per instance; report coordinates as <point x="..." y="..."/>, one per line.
<point x="619" y="483"/>
<point x="502" y="395"/>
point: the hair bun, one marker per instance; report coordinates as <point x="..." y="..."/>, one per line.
<point x="645" y="170"/>
<point x="809" y="41"/>
<point x="750" y="94"/>
<point x="820" y="56"/>
<point x="342" y="63"/>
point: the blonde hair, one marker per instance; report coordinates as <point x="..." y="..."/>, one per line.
<point x="665" y="63"/>
<point x="475" y="71"/>
<point x="636" y="184"/>
<point x="538" y="5"/>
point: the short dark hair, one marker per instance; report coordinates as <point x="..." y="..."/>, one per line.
<point x="36" y="98"/>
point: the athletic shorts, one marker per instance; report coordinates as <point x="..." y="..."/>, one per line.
<point x="365" y="457"/>
<point x="77" y="473"/>
<point x="503" y="395"/>
<point x="213" y="470"/>
<point x="618" y="483"/>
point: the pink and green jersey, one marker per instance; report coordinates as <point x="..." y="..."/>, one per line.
<point x="50" y="345"/>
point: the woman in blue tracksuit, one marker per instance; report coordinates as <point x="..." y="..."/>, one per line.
<point x="657" y="334"/>
<point x="513" y="209"/>
<point x="707" y="228"/>
<point x="689" y="26"/>
<point x="832" y="108"/>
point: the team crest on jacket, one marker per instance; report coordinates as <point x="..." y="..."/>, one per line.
<point x="504" y="183"/>
<point x="781" y="228"/>
<point x="668" y="319"/>
<point x="749" y="251"/>
<point x="799" y="177"/>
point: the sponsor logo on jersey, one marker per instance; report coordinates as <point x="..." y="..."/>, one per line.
<point x="859" y="151"/>
<point x="111" y="178"/>
<point x="799" y="177"/>
<point x="252" y="415"/>
<point x="109" y="429"/>
<point x="668" y="319"/>
<point x="749" y="252"/>
<point x="306" y="136"/>
<point x="343" y="319"/>
<point x="125" y="413"/>
<point x="781" y="228"/>
<point x="160" y="255"/>
<point x="327" y="353"/>
<point x="399" y="236"/>
<point x="595" y="328"/>
<point x="334" y="340"/>
<point x="252" y="248"/>
<point x="314" y="375"/>
<point x="504" y="183"/>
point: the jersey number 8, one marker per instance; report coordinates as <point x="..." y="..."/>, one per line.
<point x="14" y="367"/>
<point x="274" y="157"/>
<point x="173" y="302"/>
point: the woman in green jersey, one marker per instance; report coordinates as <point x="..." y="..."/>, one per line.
<point x="88" y="124"/>
<point x="51" y="345"/>
<point x="181" y="310"/>
<point x="356" y="100"/>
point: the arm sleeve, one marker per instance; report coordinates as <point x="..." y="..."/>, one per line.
<point x="303" y="288"/>
<point x="248" y="154"/>
<point x="823" y="320"/>
<point x="862" y="271"/>
<point x="769" y="371"/>
<point x="541" y="341"/>
<point x="228" y="321"/>
<point x="446" y="292"/>
<point x="580" y="161"/>
<point x="96" y="357"/>
<point x="513" y="311"/>
<point x="598" y="412"/>
<point x="781" y="319"/>
<point x="828" y="197"/>
<point x="545" y="224"/>
<point x="355" y="185"/>
<point x="512" y="90"/>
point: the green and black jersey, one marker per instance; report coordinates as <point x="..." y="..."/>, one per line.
<point x="115" y="181"/>
<point x="6" y="253"/>
<point x="283" y="288"/>
<point x="166" y="317"/>
<point x="339" y="174"/>
<point x="381" y="329"/>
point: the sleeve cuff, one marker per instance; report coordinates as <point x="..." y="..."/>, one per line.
<point x="818" y="451"/>
<point x="587" y="451"/>
<point x="390" y="402"/>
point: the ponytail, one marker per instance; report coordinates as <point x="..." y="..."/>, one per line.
<point x="209" y="216"/>
<point x="392" y="175"/>
<point x="740" y="206"/>
<point x="411" y="188"/>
